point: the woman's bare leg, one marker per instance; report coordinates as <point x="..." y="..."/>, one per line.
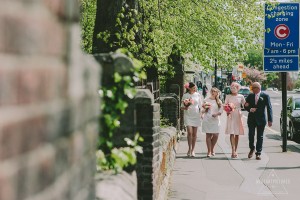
<point x="236" y="143"/>
<point x="232" y="141"/>
<point x="189" y="138"/>
<point x="209" y="143"/>
<point x="194" y="139"/>
<point x="214" y="140"/>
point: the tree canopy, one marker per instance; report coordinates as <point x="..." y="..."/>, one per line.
<point x="209" y="30"/>
<point x="205" y="29"/>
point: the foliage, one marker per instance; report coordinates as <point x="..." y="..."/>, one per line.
<point x="289" y="82"/>
<point x="297" y="84"/>
<point x="254" y="59"/>
<point x="219" y="29"/>
<point x="131" y="31"/>
<point x="212" y="29"/>
<point x="114" y="103"/>
<point x="254" y="75"/>
<point x="87" y="21"/>
<point x="270" y="78"/>
<point x="164" y="122"/>
<point x="122" y="157"/>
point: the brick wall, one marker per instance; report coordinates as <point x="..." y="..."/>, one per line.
<point x="170" y="109"/>
<point x="155" y="164"/>
<point x="111" y="63"/>
<point x="48" y="103"/>
<point x="175" y="85"/>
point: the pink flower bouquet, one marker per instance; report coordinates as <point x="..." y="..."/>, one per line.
<point x="188" y="102"/>
<point x="206" y="106"/>
<point x="229" y="107"/>
<point x="186" y="86"/>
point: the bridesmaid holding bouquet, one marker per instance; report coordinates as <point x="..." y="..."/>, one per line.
<point x="191" y="104"/>
<point x="234" y="125"/>
<point x="212" y="109"/>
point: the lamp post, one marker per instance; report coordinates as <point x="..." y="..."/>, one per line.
<point x="216" y="78"/>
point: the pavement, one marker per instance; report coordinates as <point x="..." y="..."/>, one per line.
<point x="275" y="177"/>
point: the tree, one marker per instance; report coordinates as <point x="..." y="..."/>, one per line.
<point x="112" y="23"/>
<point x="254" y="59"/>
<point x="209" y="30"/>
<point x="297" y="84"/>
<point x="254" y="75"/>
<point x="87" y="21"/>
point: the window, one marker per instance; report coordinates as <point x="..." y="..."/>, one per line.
<point x="244" y="91"/>
<point x="297" y="104"/>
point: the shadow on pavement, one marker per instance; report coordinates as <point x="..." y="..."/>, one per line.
<point x="185" y="157"/>
<point x="292" y="148"/>
<point x="274" y="137"/>
<point x="278" y="168"/>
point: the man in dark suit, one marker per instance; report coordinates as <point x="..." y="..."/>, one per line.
<point x="256" y="104"/>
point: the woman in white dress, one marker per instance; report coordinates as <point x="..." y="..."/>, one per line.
<point x="234" y="125"/>
<point x="191" y="115"/>
<point x="211" y="120"/>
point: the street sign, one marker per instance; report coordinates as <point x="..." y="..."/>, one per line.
<point x="282" y="25"/>
<point x="281" y="63"/>
<point x="281" y="47"/>
<point x="281" y="43"/>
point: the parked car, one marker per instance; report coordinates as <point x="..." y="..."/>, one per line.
<point x="269" y="89"/>
<point x="296" y="90"/>
<point x="225" y="91"/>
<point x="293" y="117"/>
<point x="245" y="91"/>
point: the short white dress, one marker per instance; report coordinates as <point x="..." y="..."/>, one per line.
<point x="192" y="115"/>
<point x="211" y="124"/>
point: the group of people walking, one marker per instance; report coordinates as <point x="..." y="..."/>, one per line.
<point x="207" y="113"/>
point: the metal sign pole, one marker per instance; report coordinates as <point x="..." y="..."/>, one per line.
<point x="284" y="112"/>
<point x="216" y="78"/>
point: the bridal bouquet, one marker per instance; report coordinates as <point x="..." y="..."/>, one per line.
<point x="188" y="102"/>
<point x="229" y="107"/>
<point x="206" y="106"/>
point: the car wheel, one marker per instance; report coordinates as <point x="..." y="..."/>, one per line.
<point x="291" y="129"/>
<point x="295" y="136"/>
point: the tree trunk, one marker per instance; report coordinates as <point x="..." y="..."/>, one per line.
<point x="106" y="15"/>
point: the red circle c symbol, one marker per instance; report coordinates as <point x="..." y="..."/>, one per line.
<point x="282" y="31"/>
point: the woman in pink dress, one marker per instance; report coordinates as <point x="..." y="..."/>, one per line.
<point x="234" y="125"/>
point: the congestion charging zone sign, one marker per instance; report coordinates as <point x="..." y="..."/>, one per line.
<point x="281" y="37"/>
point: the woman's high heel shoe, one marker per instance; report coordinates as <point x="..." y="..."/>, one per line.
<point x="193" y="154"/>
<point x="189" y="154"/>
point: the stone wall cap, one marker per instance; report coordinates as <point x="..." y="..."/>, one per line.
<point x="144" y="94"/>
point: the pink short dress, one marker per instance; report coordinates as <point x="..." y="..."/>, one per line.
<point x="234" y="123"/>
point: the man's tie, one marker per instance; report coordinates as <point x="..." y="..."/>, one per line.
<point x="256" y="99"/>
